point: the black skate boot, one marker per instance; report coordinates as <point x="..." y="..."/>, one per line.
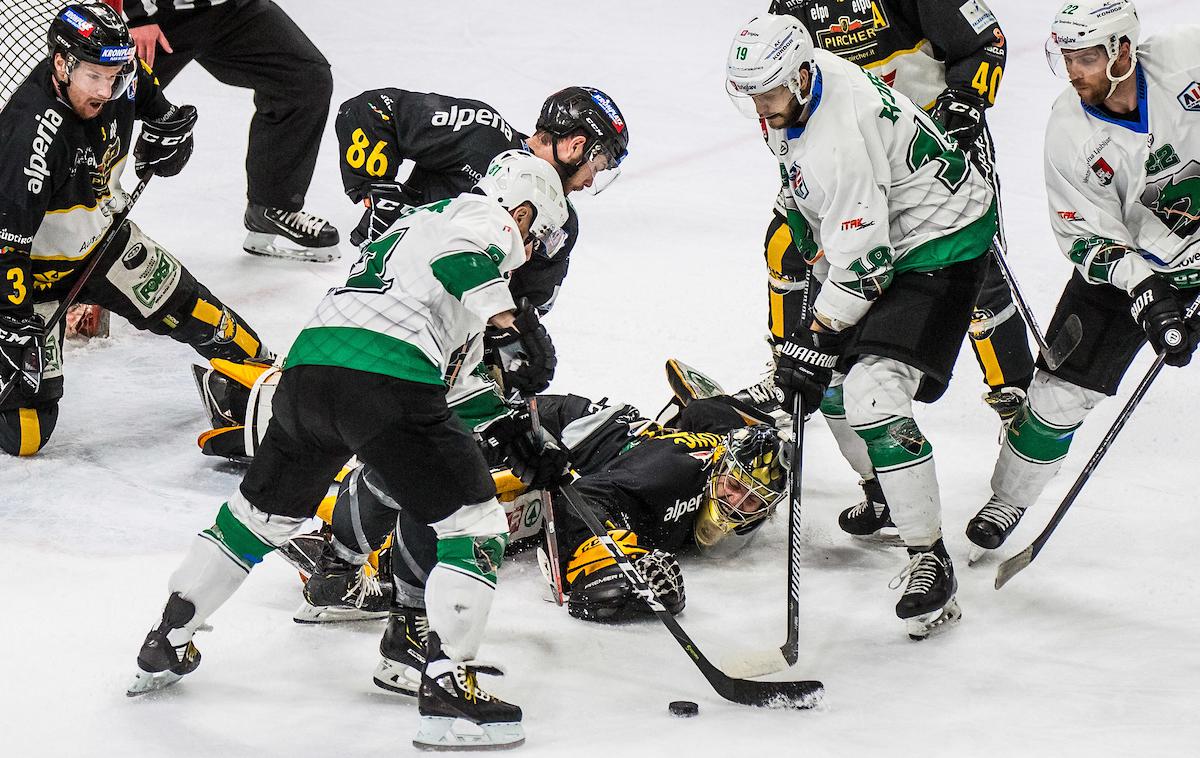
<point x="449" y="695"/>
<point x="163" y="660"/>
<point x="312" y="238"/>
<point x="402" y="651"/>
<point x="871" y="519"/>
<point x="928" y="603"/>
<point x="991" y="526"/>
<point x="339" y="590"/>
<point x="304" y="551"/>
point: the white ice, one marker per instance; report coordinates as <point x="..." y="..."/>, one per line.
<point x="1089" y="652"/>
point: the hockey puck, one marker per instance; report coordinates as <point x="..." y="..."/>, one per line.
<point x="683" y="708"/>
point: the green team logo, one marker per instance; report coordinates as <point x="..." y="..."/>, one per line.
<point x="931" y="146"/>
<point x="369" y="272"/>
<point x="1175" y="200"/>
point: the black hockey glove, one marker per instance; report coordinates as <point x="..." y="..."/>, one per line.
<point x="961" y="115"/>
<point x="524" y="353"/>
<point x="22" y="352"/>
<point x="804" y="366"/>
<point x="540" y="463"/>
<point x="385" y="202"/>
<point x="1156" y="307"/>
<point x="165" y="144"/>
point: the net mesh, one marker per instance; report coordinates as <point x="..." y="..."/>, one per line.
<point x="23" y="26"/>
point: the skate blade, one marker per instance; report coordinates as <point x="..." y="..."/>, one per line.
<point x="926" y="625"/>
<point x="888" y="536"/>
<point x="267" y="245"/>
<point x="398" y="678"/>
<point x="145" y="682"/>
<point x="977" y="554"/>
<point x="443" y="733"/>
<point x="311" y="614"/>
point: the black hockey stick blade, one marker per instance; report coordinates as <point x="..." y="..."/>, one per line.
<point x="1065" y="343"/>
<point x="790" y="649"/>
<point x="793" y="694"/>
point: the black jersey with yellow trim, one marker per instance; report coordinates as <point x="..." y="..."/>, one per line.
<point x="58" y="173"/>
<point x="920" y="47"/>
<point x="450" y="142"/>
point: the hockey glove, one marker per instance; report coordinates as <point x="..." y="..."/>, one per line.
<point x="1156" y="307"/>
<point x="385" y="203"/>
<point x="804" y="366"/>
<point x="524" y="353"/>
<point x="961" y="115"/>
<point x="540" y="463"/>
<point x="165" y="144"/>
<point x="22" y="352"/>
<point x="599" y="590"/>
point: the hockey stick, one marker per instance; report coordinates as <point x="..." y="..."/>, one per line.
<point x="101" y="250"/>
<point x="1068" y="336"/>
<point x="1011" y="567"/>
<point x="791" y="647"/>
<point x="548" y="513"/>
<point x="794" y="694"/>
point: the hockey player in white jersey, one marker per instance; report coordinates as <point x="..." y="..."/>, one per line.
<point x="1123" y="179"/>
<point x="368" y="376"/>
<point x="900" y="221"/>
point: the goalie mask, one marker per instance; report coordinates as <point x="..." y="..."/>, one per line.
<point x="747" y="482"/>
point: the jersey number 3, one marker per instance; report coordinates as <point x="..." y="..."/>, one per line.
<point x="17" y="277"/>
<point x="375" y="161"/>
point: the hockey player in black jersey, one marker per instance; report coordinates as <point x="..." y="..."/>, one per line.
<point x="708" y="483"/>
<point x="450" y="141"/>
<point x="948" y="57"/>
<point x="64" y="138"/>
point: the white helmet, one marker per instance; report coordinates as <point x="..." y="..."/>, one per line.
<point x="1090" y="23"/>
<point x="516" y="177"/>
<point x="768" y="51"/>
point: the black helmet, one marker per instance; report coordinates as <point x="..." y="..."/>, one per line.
<point x="93" y="33"/>
<point x="588" y="111"/>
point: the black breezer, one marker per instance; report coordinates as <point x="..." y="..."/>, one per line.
<point x="404" y="430"/>
<point x="1111" y="338"/>
<point x="921" y="321"/>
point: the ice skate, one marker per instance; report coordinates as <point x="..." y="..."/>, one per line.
<point x="294" y="235"/>
<point x="341" y="591"/>
<point x="991" y="526"/>
<point x="456" y="714"/>
<point x="304" y="551"/>
<point x="162" y="659"/>
<point x="402" y="651"/>
<point x="928" y="604"/>
<point x="871" y="520"/>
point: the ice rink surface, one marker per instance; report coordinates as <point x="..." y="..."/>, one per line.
<point x="1090" y="652"/>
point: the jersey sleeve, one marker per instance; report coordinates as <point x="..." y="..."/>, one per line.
<point x="967" y="36"/>
<point x="1086" y="218"/>
<point x="149" y="101"/>
<point x="854" y="233"/>
<point x="370" y="130"/>
<point x="34" y="164"/>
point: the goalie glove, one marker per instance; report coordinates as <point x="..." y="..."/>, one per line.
<point x="961" y="115"/>
<point x="599" y="590"/>
<point x="165" y="144"/>
<point x="523" y="352"/>
<point x="22" y="352"/>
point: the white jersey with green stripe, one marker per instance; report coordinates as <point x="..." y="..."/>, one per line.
<point x="415" y="304"/>
<point x="1133" y="182"/>
<point x="875" y="183"/>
